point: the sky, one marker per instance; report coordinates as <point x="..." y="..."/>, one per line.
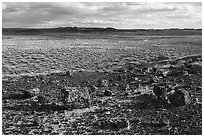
<point x="121" y="15"/>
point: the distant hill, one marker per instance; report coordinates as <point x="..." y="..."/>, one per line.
<point x="34" y="31"/>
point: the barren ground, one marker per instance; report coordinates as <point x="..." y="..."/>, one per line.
<point x="26" y="58"/>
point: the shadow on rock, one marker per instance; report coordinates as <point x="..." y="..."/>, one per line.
<point x="148" y="101"/>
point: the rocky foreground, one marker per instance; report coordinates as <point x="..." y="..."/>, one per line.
<point x="160" y="97"/>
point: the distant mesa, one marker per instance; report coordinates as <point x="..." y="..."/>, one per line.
<point x="86" y="29"/>
<point x="37" y="31"/>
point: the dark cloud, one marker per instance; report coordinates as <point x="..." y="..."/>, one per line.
<point x="118" y="14"/>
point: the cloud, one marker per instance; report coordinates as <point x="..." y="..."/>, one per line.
<point x="100" y="14"/>
<point x="3" y="6"/>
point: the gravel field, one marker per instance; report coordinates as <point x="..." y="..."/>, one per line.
<point x="33" y="54"/>
<point x="107" y="96"/>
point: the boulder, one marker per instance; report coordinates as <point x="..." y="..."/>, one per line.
<point x="173" y="73"/>
<point x="108" y="92"/>
<point x="117" y="124"/>
<point x="160" y="123"/>
<point x="145" y="69"/>
<point x="64" y="95"/>
<point x="92" y="89"/>
<point x="75" y="97"/>
<point x="38" y="100"/>
<point x="68" y="73"/>
<point x="159" y="73"/>
<point x="30" y="93"/>
<point x="194" y="68"/>
<point x="35" y="91"/>
<point x="102" y="83"/>
<point x="179" y="97"/>
<point x="160" y="93"/>
<point x="154" y="70"/>
<point x="112" y="124"/>
<point x="161" y="57"/>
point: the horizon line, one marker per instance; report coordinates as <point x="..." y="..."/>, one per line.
<point x="97" y="27"/>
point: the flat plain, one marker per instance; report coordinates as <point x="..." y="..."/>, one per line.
<point x="39" y="61"/>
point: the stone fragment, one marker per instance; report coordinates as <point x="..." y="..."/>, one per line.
<point x="179" y="97"/>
